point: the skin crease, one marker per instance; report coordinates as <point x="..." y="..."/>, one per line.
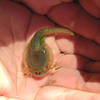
<point x="15" y="32"/>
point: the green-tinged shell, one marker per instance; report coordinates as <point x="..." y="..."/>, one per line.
<point x="37" y="60"/>
<point x="38" y="56"/>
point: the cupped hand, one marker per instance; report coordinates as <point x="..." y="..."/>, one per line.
<point x="78" y="79"/>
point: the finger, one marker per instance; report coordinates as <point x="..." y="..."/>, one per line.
<point x="72" y="61"/>
<point x="53" y="46"/>
<point x="75" y="18"/>
<point x="80" y="46"/>
<point x="78" y="62"/>
<point x="91" y="6"/>
<point x="65" y="60"/>
<point x="93" y="67"/>
<point x="76" y="79"/>
<point x="43" y="6"/>
<point x="61" y="93"/>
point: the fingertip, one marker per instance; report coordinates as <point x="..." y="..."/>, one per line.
<point x="91" y="6"/>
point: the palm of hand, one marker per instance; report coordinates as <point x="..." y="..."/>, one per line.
<point x="16" y="30"/>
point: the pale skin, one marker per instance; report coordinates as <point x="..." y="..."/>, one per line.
<point x="72" y="81"/>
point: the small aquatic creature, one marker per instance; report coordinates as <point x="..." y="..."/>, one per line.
<point x="38" y="57"/>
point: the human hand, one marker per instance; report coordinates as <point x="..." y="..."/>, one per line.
<point x="79" y="76"/>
